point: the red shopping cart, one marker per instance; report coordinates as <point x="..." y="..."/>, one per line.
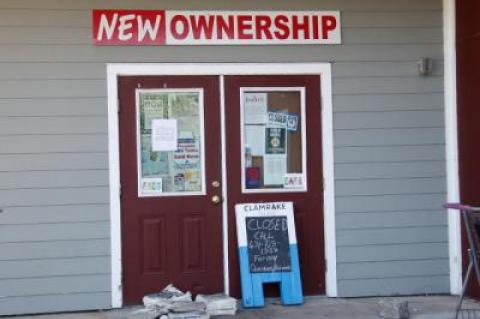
<point x="471" y="220"/>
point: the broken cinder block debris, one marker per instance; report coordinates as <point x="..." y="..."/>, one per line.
<point x="218" y="304"/>
<point x="394" y="309"/>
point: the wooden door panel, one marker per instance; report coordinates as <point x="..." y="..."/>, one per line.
<point x="154" y="245"/>
<point x="193" y="243"/>
<point x="170" y="239"/>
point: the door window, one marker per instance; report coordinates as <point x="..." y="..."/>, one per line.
<point x="273" y="139"/>
<point x="170" y="145"/>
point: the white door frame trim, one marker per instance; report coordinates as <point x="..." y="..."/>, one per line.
<point x="451" y="140"/>
<point x="220" y="69"/>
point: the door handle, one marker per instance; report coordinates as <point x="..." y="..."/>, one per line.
<point x="216" y="199"/>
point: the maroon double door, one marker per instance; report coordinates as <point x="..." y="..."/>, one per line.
<point x="180" y="239"/>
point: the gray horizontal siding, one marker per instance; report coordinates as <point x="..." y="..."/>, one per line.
<point x="404" y="285"/>
<point x="391" y="235"/>
<point x="53" y="88"/>
<point x="52" y="71"/>
<point x="57" y="125"/>
<point x="53" y="161"/>
<point x="55" y="302"/>
<point x="54" y="179"/>
<point x="388" y="136"/>
<point x="387" y="102"/>
<point x="397" y="269"/>
<point x="350" y="204"/>
<point x="388" y="120"/>
<point x="60" y="253"/>
<point x="396" y="153"/>
<point x="54" y="196"/>
<point x="55" y="214"/>
<point x="53" y="107"/>
<point x="391" y="252"/>
<point x="349" y="52"/>
<point x="366" y="187"/>
<point x="388" y="219"/>
<point x="26" y="144"/>
<point x="380" y="69"/>
<point x="44" y="268"/>
<point x="55" y="285"/>
<point x="54" y="232"/>
<point x="354" y="171"/>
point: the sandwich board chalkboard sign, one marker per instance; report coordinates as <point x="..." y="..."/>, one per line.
<point x="268" y="251"/>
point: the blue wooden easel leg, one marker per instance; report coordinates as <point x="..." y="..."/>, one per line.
<point x="291" y="284"/>
<point x="257" y="288"/>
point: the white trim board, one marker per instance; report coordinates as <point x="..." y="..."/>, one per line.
<point x="220" y="69"/>
<point x="451" y="139"/>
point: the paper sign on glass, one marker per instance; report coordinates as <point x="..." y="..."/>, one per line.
<point x="275" y="168"/>
<point x="255" y="107"/>
<point x="255" y="139"/>
<point x="164" y="135"/>
<point x="151" y="185"/>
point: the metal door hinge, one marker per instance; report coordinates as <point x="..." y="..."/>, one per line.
<point x="120" y="191"/>
<point x="118" y="106"/>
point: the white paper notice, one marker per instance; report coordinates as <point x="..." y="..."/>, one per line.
<point x="255" y="108"/>
<point x="164" y="135"/>
<point x="274" y="169"/>
<point x="255" y="139"/>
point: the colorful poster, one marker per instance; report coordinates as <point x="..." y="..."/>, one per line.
<point x="154" y="106"/>
<point x="151" y="185"/>
<point x="193" y="180"/>
<point x="283" y="119"/>
<point x="187" y="153"/>
<point x="253" y="177"/>
<point x="275" y="140"/>
<point x="153" y="163"/>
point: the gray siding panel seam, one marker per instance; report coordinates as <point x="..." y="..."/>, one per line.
<point x="57" y="170"/>
<point x="387" y="178"/>
<point x="386" y="260"/>
<point x="386" y="146"/>
<point x="393" y="162"/>
<point x="60" y="223"/>
<point x="53" y="187"/>
<point x="56" y="294"/>
<point x="57" y="205"/>
<point x="396" y="243"/>
<point x="439" y="259"/>
<point x="60" y="293"/>
<point x="340" y="230"/>
<point x="58" y="259"/>
<point x="58" y="276"/>
<point x="443" y="274"/>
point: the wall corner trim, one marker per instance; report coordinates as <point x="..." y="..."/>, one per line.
<point x="451" y="136"/>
